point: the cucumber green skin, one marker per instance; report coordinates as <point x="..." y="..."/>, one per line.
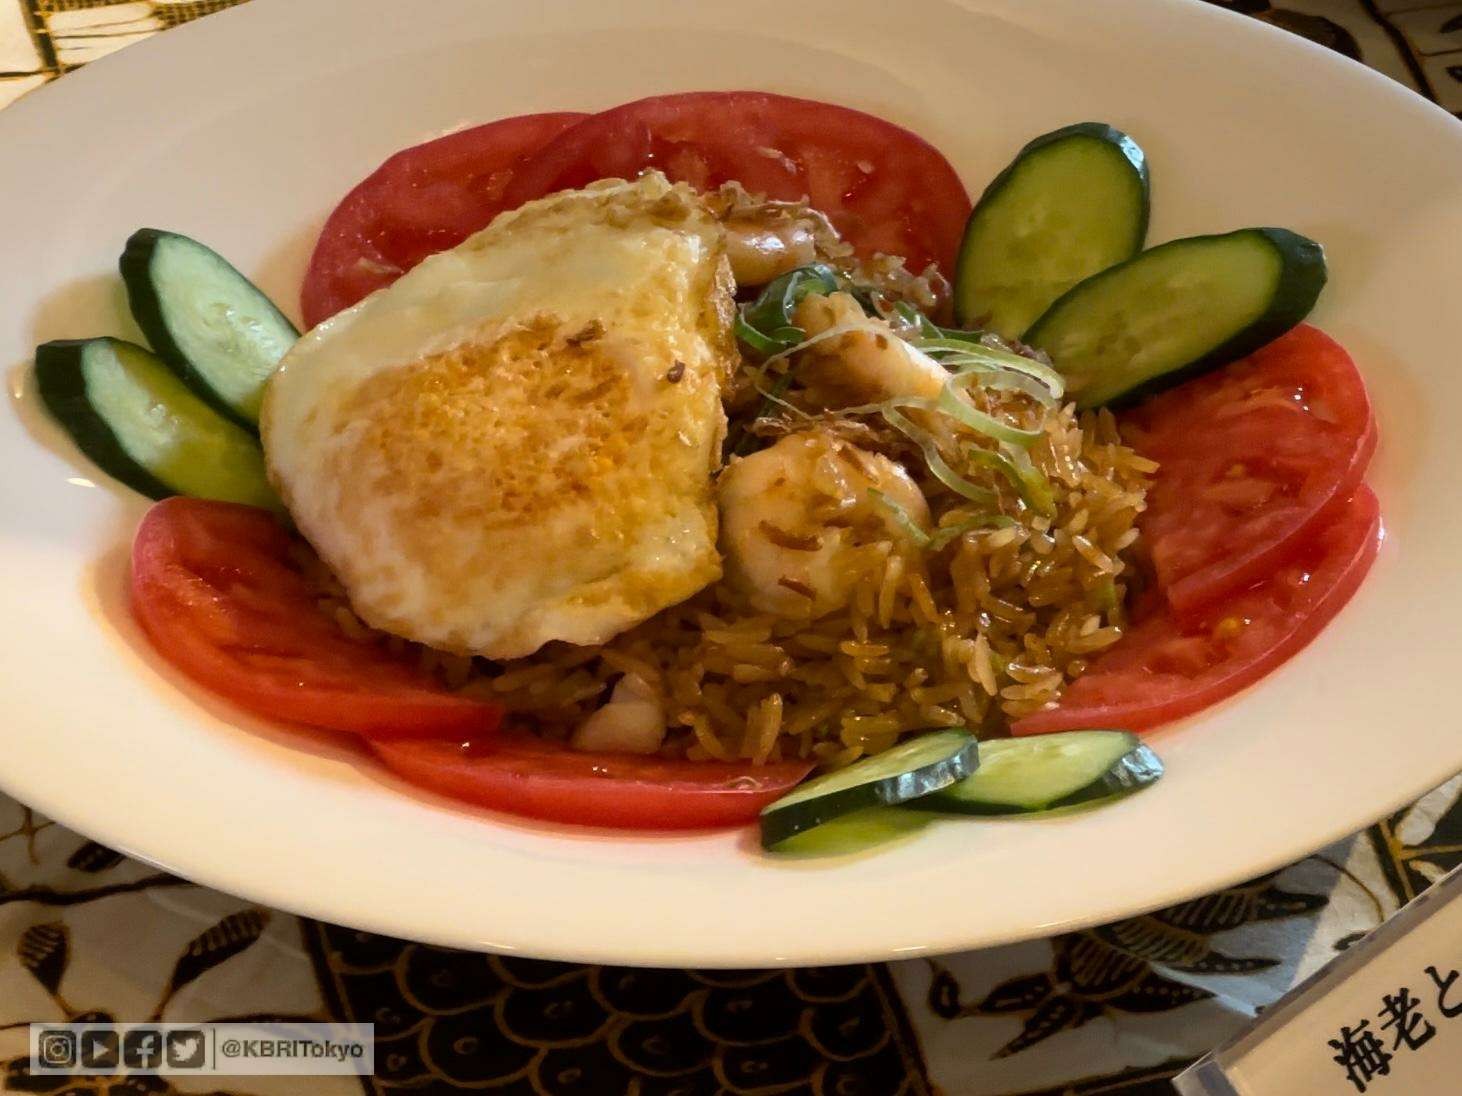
<point x="147" y="309"/>
<point x="1098" y="130"/>
<point x="1131" y="773"/>
<point x="1302" y="275"/>
<point x="778" y="825"/>
<point x="62" y="385"/>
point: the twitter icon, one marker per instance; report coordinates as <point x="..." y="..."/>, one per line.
<point x="185" y="1048"/>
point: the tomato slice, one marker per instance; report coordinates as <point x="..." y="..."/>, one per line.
<point x="424" y="199"/>
<point x="216" y="590"/>
<point x="1165" y="668"/>
<point x="1255" y="456"/>
<point x="885" y="189"/>
<point x="541" y="779"/>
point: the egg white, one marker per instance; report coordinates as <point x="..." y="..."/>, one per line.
<point x="514" y="443"/>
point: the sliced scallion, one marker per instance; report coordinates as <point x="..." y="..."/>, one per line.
<point x="937" y="464"/>
<point x="764" y="345"/>
<point x="1028" y="480"/>
<point x="960" y="349"/>
<point x="978" y="421"/>
<point x="902" y="517"/>
<point x="765" y="325"/>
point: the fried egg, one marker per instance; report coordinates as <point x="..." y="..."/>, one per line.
<point x="515" y="442"/>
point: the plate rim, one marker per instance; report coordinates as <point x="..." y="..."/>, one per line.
<point x="661" y="953"/>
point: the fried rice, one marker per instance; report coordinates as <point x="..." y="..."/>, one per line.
<point x="977" y="630"/>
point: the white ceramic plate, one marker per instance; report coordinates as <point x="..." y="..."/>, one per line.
<point x="244" y="128"/>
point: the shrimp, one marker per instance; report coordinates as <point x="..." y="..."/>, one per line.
<point x="632" y="722"/>
<point x="766" y="244"/>
<point x="864" y="365"/>
<point x="795" y="516"/>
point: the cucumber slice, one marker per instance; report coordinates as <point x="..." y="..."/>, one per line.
<point x="1043" y="772"/>
<point x="915" y="767"/>
<point x="1072" y="203"/>
<point x="205" y="319"/>
<point x="1179" y="309"/>
<point x="131" y="415"/>
<point x="861" y="831"/>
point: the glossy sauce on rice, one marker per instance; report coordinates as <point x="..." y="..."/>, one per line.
<point x="985" y="623"/>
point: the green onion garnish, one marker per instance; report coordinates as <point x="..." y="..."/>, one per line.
<point x="1028" y="480"/>
<point x="902" y="516"/>
<point x="765" y="325"/>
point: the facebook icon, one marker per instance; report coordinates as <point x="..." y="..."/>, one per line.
<point x="142" y="1049"/>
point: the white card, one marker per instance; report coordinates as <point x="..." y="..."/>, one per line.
<point x="1383" y="1018"/>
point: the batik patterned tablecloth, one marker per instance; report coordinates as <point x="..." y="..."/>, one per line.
<point x="86" y="933"/>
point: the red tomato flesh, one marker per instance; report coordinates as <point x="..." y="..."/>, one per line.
<point x="884" y="188"/>
<point x="424" y="199"/>
<point x="1166" y="667"/>
<point x="216" y="590"/>
<point x="1255" y="457"/>
<point x="541" y="779"/>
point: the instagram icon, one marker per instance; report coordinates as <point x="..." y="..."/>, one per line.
<point x="57" y="1049"/>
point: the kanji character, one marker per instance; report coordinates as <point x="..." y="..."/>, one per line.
<point x="1362" y="1055"/>
<point x="1402" y="1013"/>
<point x="1444" y="985"/>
